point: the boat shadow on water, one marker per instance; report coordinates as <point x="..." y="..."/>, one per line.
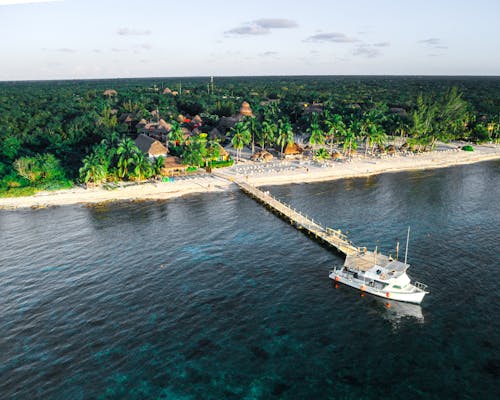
<point x="396" y="311"/>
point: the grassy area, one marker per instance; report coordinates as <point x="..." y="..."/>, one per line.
<point x="20" y="191"/>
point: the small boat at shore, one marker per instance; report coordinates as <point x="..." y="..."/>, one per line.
<point x="380" y="275"/>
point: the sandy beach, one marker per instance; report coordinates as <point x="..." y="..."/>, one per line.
<point x="274" y="173"/>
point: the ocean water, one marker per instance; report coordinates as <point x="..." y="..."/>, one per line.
<point x="211" y="296"/>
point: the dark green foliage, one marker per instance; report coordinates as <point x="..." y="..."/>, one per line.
<point x="468" y="148"/>
<point x="322" y="154"/>
<point x="195" y="151"/>
<point x="480" y="133"/>
<point x="43" y="168"/>
<point x="69" y="118"/>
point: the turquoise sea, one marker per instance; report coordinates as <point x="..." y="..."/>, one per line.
<point x="211" y="296"/>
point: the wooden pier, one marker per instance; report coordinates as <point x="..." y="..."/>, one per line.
<point x="330" y="237"/>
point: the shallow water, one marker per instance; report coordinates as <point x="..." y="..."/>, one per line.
<point x="211" y="296"/>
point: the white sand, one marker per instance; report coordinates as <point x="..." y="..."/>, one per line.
<point x="257" y="174"/>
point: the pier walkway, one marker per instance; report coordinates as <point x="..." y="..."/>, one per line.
<point x="331" y="237"/>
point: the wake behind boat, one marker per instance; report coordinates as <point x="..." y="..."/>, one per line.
<point x="380" y="275"/>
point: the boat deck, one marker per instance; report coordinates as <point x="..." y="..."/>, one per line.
<point x="364" y="261"/>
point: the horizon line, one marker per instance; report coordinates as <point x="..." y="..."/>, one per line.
<point x="248" y="76"/>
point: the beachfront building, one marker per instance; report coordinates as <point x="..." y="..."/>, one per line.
<point x="223" y="154"/>
<point x="172" y="166"/>
<point x="293" y="150"/>
<point x="151" y="147"/>
<point x="262" y="156"/>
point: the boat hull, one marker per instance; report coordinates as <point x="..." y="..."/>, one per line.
<point x="414" y="297"/>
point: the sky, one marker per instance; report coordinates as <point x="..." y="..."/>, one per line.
<point x="75" y="39"/>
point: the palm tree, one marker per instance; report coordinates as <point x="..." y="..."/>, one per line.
<point x="378" y="136"/>
<point x="317" y="134"/>
<point x="176" y="134"/>
<point x="402" y="129"/>
<point x="107" y="119"/>
<point x="241" y="137"/>
<point x="335" y="127"/>
<point x="254" y="128"/>
<point x="285" y="134"/>
<point x="93" y="171"/>
<point x="127" y="153"/>
<point x="195" y="152"/>
<point x="350" y="141"/>
<point x="158" y="165"/>
<point x="267" y="133"/>
<point x="142" y="167"/>
<point x="322" y="154"/>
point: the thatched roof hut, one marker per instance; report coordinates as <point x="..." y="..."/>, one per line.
<point x="126" y="118"/>
<point x="263" y="156"/>
<point x="223" y="154"/>
<point x="391" y="149"/>
<point x="180" y="118"/>
<point x="167" y="91"/>
<point x="245" y="110"/>
<point x="150" y="146"/>
<point x="293" y="149"/>
<point x="141" y="124"/>
<point x="110" y="92"/>
<point x="337" y="156"/>
<point x="165" y="125"/>
<point x="197" y="120"/>
<point x="172" y="165"/>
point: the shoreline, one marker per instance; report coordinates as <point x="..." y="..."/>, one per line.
<point x="277" y="173"/>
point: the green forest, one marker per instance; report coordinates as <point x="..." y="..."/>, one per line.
<point x="55" y="134"/>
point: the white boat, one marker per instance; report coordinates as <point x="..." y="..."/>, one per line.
<point x="380" y="275"/>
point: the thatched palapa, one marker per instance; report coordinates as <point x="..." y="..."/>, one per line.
<point x="172" y="165"/>
<point x="245" y="110"/>
<point x="262" y="156"/>
<point x="293" y="149"/>
<point x="110" y="92"/>
<point x="150" y="146"/>
<point x="165" y="125"/>
<point x="223" y="154"/>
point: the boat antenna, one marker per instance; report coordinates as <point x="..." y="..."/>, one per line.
<point x="407" y="240"/>
<point x="397" y="250"/>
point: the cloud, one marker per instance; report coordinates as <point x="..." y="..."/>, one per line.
<point x="381" y="44"/>
<point x="133" y="32"/>
<point x="248" y="30"/>
<point x="366" y="50"/>
<point x="117" y="50"/>
<point x="430" y="41"/>
<point x="334" y="37"/>
<point x="275" y="23"/>
<point x="262" y="26"/>
<point x="434" y="43"/>
<point x="14" y="2"/>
